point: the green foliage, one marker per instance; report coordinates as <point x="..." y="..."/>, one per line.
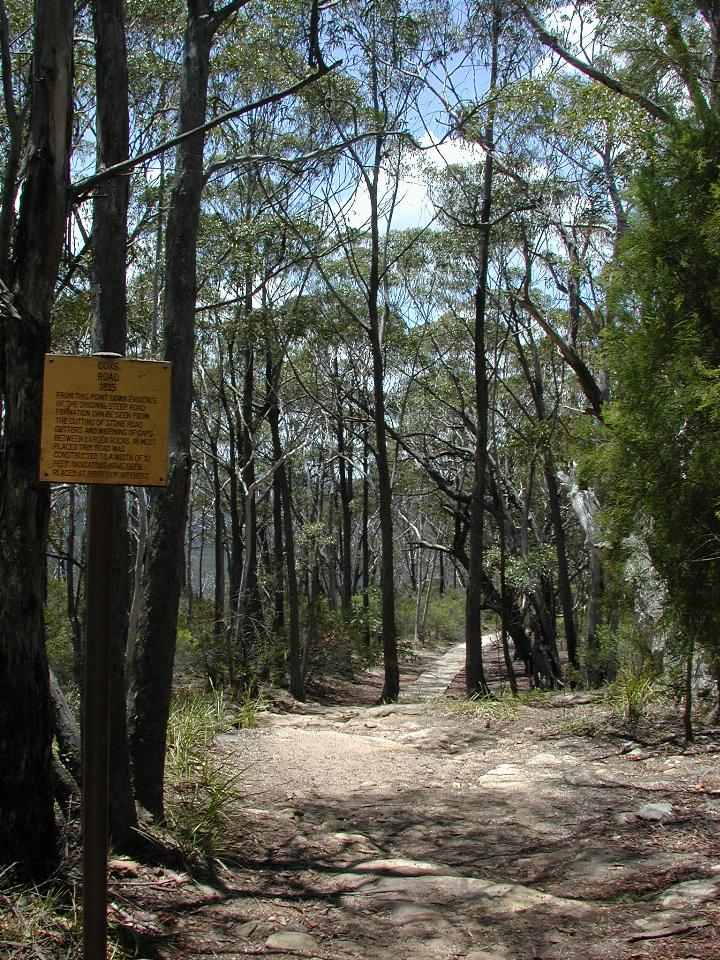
<point x="201" y="786"/>
<point x="525" y="571"/>
<point x="620" y="645"/>
<point x="199" y="652"/>
<point x="338" y="646"/>
<point x="487" y="709"/>
<point x="445" y="621"/>
<point x="631" y="694"/>
<point x="58" y="635"/>
<point x="38" y="921"/>
<point x="660" y="460"/>
<point x="368" y="620"/>
<point x="246" y="710"/>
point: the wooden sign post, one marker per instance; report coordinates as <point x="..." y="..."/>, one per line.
<point x="104" y="423"/>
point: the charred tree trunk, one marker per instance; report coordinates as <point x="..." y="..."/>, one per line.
<point x="504" y="614"/>
<point x="71" y="599"/>
<point x="236" y="549"/>
<point x="189" y="590"/>
<point x="330" y="552"/>
<point x="277" y="556"/>
<point x="249" y="605"/>
<point x="27" y="819"/>
<point x="66" y="730"/>
<point x="272" y="380"/>
<point x="14" y="121"/>
<point x="376" y="322"/>
<point x="219" y="627"/>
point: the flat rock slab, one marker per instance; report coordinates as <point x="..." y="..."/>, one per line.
<point x="505" y="898"/>
<point x="291" y="942"/>
<point x="660" y="812"/>
<point x="435" y="681"/>
<point x="401" y="867"/>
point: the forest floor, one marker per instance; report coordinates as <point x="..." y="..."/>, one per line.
<point x="438" y="830"/>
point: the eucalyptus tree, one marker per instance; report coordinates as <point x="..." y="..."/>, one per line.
<point x="663" y="60"/>
<point x="27" y="822"/>
<point x="386" y="46"/>
<point x="15" y="58"/>
<point x="152" y="662"/>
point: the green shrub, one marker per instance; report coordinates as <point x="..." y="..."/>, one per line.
<point x="38" y="922"/>
<point x="201" y="787"/>
<point x="632" y="693"/>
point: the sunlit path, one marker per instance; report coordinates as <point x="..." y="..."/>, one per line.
<point x="435" y="681"/>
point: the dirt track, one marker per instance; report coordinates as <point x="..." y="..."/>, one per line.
<point x="417" y="831"/>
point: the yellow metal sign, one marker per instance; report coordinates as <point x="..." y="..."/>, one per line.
<point x="105" y="420"/>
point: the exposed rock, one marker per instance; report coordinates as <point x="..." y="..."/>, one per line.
<point x="660" y="812"/>
<point x="545" y="760"/>
<point x="690" y="892"/>
<point x="293" y="942"/>
<point x="401" y="867"/>
<point x="253" y="928"/>
<point x="484" y="955"/>
<point x="413" y="914"/>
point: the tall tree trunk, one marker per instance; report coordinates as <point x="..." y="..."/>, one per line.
<point x="154" y="653"/>
<point x="376" y="323"/>
<point x="331" y="551"/>
<point x="297" y="681"/>
<point x="14" y="121"/>
<point x="249" y="604"/>
<point x="234" y="500"/>
<point x="475" y="682"/>
<point x="275" y="560"/>
<point x="27" y="819"/>
<point x="277" y="505"/>
<point x="141" y="546"/>
<point x="157" y="266"/>
<point x="189" y="593"/>
<point x="564" y="588"/>
<point x="391" y="686"/>
<point x="365" y="538"/>
<point x="277" y="555"/>
<point x="345" y="482"/>
<point x="219" y="626"/>
<point x="71" y="602"/>
<point x="109" y="251"/>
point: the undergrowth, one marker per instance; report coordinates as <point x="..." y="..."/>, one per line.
<point x="39" y="922"/>
<point x="201" y="786"/>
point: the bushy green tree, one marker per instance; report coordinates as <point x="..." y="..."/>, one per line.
<point x="661" y="458"/>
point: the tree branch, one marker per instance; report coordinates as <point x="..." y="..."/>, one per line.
<point x="612" y="83"/>
<point x="80" y="190"/>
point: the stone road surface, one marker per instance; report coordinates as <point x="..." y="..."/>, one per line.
<point x="435" y="681"/>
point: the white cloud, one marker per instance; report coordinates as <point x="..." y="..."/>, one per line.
<point x="413" y="207"/>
